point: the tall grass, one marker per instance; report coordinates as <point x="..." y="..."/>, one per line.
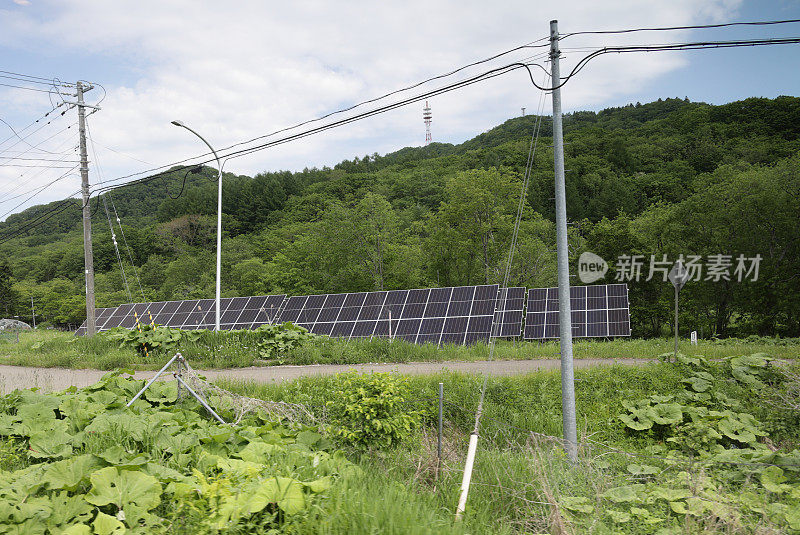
<point x="521" y="480"/>
<point x="46" y="348"/>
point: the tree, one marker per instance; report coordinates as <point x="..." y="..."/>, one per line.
<point x="8" y="297"/>
<point x="468" y="234"/>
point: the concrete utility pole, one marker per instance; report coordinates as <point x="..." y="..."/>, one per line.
<point x="562" y="246"/>
<point x="33" y="313"/>
<point x="88" y="261"/>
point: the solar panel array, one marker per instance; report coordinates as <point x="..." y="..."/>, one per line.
<point x="456" y="315"/>
<point x="453" y="315"/>
<point x="596" y="311"/>
<point x="235" y="313"/>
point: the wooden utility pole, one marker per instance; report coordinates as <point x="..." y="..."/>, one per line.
<point x="88" y="261"/>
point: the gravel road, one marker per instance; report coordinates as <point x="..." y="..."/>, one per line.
<point x="49" y="379"/>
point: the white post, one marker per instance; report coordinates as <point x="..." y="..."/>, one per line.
<point x="465" y="481"/>
<point x="219" y="220"/>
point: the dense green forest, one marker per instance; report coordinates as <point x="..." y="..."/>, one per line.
<point x="669" y="177"/>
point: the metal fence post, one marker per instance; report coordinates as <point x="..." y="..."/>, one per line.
<point x="441" y="417"/>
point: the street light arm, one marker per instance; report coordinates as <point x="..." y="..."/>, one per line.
<point x="219" y="165"/>
<point x="219" y="225"/>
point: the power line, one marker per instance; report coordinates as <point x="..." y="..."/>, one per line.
<point x="48" y="80"/>
<point x="60" y="207"/>
<point x="671" y="28"/>
<point x="531" y="44"/>
<point x="19" y="79"/>
<point x="463" y="83"/>
<point x="34" y="122"/>
<point x="486" y="75"/>
<point x="699" y="45"/>
<point x="41" y="189"/>
<point x="37" y="146"/>
<point x="31" y="159"/>
<point x="21" y="183"/>
<point x="33" y="166"/>
<point x="27" y="88"/>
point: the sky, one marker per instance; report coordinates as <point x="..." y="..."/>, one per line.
<point x="234" y="71"/>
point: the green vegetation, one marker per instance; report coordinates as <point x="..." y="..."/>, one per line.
<point x="709" y="449"/>
<point x="689" y="447"/>
<point x="669" y="177"/>
<point x="235" y="349"/>
<point x="80" y="462"/>
<point x="368" y="410"/>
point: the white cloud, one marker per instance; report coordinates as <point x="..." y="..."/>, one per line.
<point x="236" y="70"/>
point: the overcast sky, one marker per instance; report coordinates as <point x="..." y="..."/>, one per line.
<point x="237" y="70"/>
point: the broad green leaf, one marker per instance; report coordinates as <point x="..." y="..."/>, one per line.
<point x="308" y="438"/>
<point x="792" y="516"/>
<point x="638" y="422"/>
<point x="620" y="517"/>
<point x="50" y="444"/>
<point x="578" y="504"/>
<point x="43" y="409"/>
<point x="120" y="487"/>
<point x="162" y="392"/>
<point x="645" y="516"/>
<point x="68" y="510"/>
<point x="286" y="492"/>
<point x="773" y="478"/>
<point x="670" y="494"/>
<point x="119" y="456"/>
<point x="642" y="469"/>
<point x="258" y="452"/>
<point x="667" y="413"/>
<point x="122" y="424"/>
<point x="163" y="473"/>
<point x="628" y="493"/>
<point x="107" y="525"/>
<point x="106" y="398"/>
<point x="320" y="485"/>
<point x="678" y="507"/>
<point x="70" y="473"/>
<point x="75" y="529"/>
<point x="698" y="384"/>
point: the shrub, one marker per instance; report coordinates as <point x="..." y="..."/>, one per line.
<point x="369" y="411"/>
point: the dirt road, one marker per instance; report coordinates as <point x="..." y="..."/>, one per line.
<point x="49" y="379"/>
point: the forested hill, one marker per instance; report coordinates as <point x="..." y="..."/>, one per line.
<point x="668" y="177"/>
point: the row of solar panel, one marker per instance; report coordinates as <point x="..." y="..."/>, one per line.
<point x="596" y="311"/>
<point x="460" y="315"/>
<point x="235" y="313"/>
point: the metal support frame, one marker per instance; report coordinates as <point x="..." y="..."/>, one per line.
<point x="178" y="375"/>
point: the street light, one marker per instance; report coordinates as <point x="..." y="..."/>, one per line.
<point x="219" y="215"/>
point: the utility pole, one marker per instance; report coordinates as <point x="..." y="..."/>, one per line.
<point x="88" y="261"/>
<point x="33" y="313"/>
<point x="562" y="247"/>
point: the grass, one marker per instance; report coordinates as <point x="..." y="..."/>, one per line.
<point x="521" y="479"/>
<point x="46" y="348"/>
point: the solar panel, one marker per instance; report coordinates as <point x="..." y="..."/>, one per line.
<point x="509" y="312"/>
<point x="235" y="313"/>
<point x="452" y="315"/>
<point x="596" y="311"/>
<point x="455" y="315"/>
